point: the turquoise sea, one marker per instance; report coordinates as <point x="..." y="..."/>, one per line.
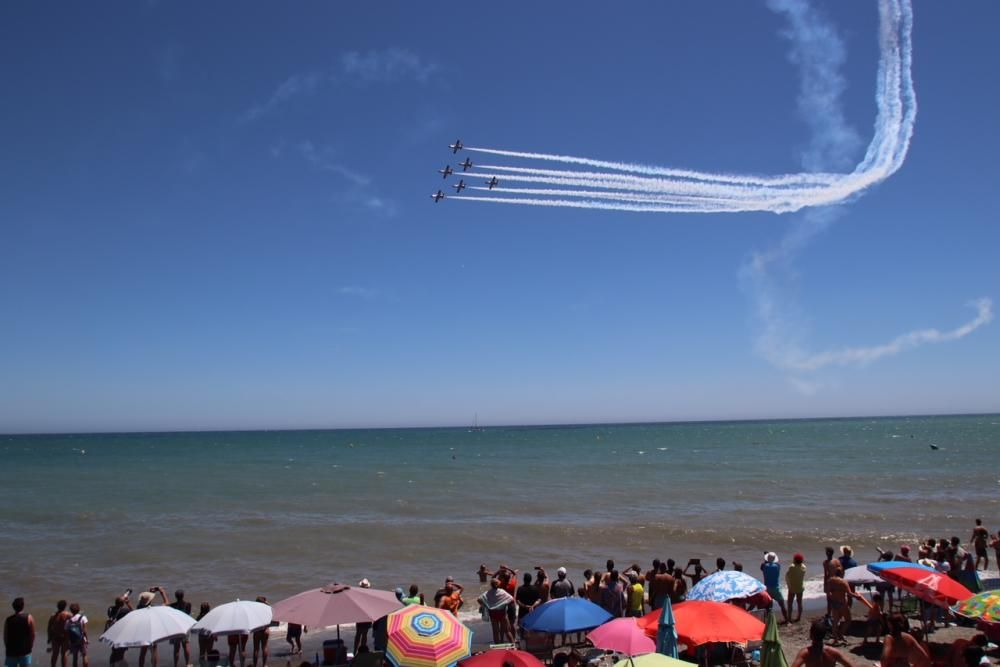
<point x="226" y="515"/>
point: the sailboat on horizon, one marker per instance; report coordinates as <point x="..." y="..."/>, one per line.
<point x="476" y="428"/>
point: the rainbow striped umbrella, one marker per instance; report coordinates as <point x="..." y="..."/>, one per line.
<point x="985" y="606"/>
<point x="421" y="636"/>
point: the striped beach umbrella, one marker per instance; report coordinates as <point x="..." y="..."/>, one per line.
<point x="984" y="607"/>
<point x="421" y="636"/>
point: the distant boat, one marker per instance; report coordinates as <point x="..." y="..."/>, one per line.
<point x="935" y="447"/>
<point x="476" y="428"/>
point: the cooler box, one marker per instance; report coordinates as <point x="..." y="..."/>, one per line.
<point x="334" y="652"/>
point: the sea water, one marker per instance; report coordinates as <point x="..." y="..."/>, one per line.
<point x="228" y="515"/>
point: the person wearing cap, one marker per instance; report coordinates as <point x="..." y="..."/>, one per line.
<point x="795" y="579"/>
<point x="772" y="580"/>
<point x="441" y="592"/>
<point x="561" y="587"/>
<point x="452" y="599"/>
<point x="180" y="604"/>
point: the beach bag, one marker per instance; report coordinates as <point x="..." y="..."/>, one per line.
<point x="74" y="632"/>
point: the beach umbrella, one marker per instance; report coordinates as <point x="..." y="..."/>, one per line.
<point x="725" y="585"/>
<point x="501" y="658"/>
<point x="861" y="575"/>
<point x="234" y="618"/>
<point x="146" y="626"/>
<point x="984" y="607"/>
<point x="622" y="635"/>
<point x="652" y="660"/>
<point x="666" y="633"/>
<point x="334" y="604"/>
<point x="928" y="585"/>
<point x="565" y="615"/>
<point x="700" y="622"/>
<point x="421" y="636"/>
<point x="881" y="566"/>
<point x="771" y="654"/>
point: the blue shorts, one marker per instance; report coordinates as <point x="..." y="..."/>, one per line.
<point x="22" y="661"/>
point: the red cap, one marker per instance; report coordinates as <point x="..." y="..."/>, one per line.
<point x="798" y="557"/>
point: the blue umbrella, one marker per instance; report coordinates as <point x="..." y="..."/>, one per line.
<point x="876" y="568"/>
<point x="666" y="633"/>
<point x="566" y="615"/>
<point x="725" y="585"/>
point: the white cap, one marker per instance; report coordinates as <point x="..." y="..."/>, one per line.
<point x="771" y="557"/>
<point x="561" y="570"/>
<point x="364" y="583"/>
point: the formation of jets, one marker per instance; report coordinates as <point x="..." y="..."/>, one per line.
<point x="466" y="164"/>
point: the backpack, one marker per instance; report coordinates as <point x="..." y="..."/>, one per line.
<point x="74" y="631"/>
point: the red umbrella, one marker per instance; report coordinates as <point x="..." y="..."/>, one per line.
<point x="701" y="621"/>
<point x="502" y="657"/>
<point x="933" y="587"/>
<point x="622" y="635"/>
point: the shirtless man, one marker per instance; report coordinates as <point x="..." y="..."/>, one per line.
<point x="828" y="569"/>
<point x="661" y="586"/>
<point x="818" y="654"/>
<point x="58" y="642"/>
<point x="542" y="584"/>
<point x="979" y="539"/>
<point x="839" y="594"/>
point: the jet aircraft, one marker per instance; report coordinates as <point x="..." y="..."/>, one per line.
<point x="492" y="182"/>
<point x="455" y="147"/>
<point x="437" y="196"/>
<point x="465" y="165"/>
<point x="447" y="171"/>
<point x="459" y="186"/>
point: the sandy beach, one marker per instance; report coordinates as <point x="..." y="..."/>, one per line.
<point x="794" y="637"/>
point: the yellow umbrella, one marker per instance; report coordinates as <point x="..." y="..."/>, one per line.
<point x="653" y="660"/>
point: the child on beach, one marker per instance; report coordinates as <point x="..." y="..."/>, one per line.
<point x="875" y="623"/>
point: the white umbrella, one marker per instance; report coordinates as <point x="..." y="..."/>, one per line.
<point x="861" y="575"/>
<point x="145" y="627"/>
<point x="235" y="618"/>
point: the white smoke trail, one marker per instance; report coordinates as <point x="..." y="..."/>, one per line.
<point x="861" y="356"/>
<point x="596" y="205"/>
<point x="791" y="192"/>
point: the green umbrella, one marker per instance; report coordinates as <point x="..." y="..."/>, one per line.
<point x="771" y="654"/>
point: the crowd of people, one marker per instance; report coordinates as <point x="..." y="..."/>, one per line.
<point x="508" y="599"/>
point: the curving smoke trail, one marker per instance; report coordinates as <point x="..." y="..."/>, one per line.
<point x="819" y="54"/>
<point x="725" y="192"/>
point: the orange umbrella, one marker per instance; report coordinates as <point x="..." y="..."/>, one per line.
<point x="701" y="621"/>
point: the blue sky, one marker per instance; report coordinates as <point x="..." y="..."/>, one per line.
<point x="216" y="215"/>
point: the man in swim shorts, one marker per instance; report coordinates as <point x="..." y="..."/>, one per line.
<point x="980" y="538"/>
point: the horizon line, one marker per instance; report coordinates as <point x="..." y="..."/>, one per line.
<point x="554" y="425"/>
